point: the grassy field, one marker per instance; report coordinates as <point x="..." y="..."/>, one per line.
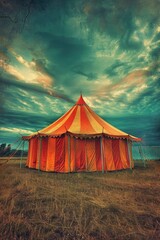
<point x="46" y="206"/>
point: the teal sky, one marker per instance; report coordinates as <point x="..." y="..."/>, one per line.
<point x="51" y="51"/>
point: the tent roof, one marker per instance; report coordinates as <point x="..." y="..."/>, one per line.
<point x="81" y="121"/>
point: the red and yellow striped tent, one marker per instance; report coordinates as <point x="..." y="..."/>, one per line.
<point x="80" y="140"/>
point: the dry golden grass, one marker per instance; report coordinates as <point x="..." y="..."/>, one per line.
<point x="47" y="206"/>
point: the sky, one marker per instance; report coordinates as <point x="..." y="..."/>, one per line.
<point x="52" y="51"/>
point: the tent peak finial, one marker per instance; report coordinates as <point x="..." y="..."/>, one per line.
<point x="80" y="100"/>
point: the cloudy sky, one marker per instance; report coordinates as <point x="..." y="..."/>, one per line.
<point x="51" y="51"/>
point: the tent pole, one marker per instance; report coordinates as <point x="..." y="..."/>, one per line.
<point x="69" y="154"/>
<point x="102" y="154"/>
<point x="39" y="153"/>
<point x="22" y="154"/>
<point x="129" y="154"/>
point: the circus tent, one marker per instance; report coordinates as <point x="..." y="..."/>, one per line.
<point x="80" y="140"/>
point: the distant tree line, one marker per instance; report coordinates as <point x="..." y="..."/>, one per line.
<point x="6" y="151"/>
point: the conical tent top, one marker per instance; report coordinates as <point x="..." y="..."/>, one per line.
<point x="80" y="101"/>
<point x="81" y="121"/>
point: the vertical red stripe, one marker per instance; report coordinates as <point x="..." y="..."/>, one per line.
<point x="60" y="154"/>
<point x="98" y="154"/>
<point x="80" y="164"/>
<point x="33" y="152"/>
<point x="67" y="153"/>
<point x="44" y="153"/>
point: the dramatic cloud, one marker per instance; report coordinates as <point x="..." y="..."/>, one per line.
<point x="51" y="51"/>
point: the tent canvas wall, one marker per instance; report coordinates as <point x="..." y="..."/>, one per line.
<point x="80" y="141"/>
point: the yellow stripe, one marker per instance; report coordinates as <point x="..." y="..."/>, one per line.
<point x="108" y="128"/>
<point x="76" y="125"/>
<point x="57" y="125"/>
<point x="122" y="148"/>
<point x="95" y="125"/>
